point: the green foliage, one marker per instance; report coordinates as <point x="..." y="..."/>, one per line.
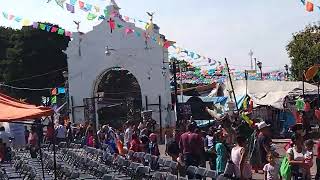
<point x="304" y="50"/>
<point x="29" y="52"/>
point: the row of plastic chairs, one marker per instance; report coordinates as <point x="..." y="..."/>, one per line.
<point x="139" y="165"/>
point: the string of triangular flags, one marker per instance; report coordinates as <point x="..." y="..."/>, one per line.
<point x="309" y="5"/>
<point x="94" y="11"/>
<point x="36" y="25"/>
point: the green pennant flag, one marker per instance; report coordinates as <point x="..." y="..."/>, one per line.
<point x="42" y="26"/>
<point x="106" y="13"/>
<point x="54" y="100"/>
<point x="138" y="34"/>
<point x="61" y="31"/>
<point x="60" y="3"/>
<point x="91" y="16"/>
<point x="119" y="26"/>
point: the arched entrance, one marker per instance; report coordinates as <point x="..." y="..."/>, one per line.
<point x="119" y="97"/>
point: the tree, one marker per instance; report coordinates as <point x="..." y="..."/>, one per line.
<point x="304" y="50"/>
<point x="30" y="52"/>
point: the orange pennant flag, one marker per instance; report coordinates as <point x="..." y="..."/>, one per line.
<point x="309" y="6"/>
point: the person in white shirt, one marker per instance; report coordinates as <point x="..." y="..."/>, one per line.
<point x="60" y="132"/>
<point x="5" y="136"/>
<point x="271" y="170"/>
<point x="128" y="136"/>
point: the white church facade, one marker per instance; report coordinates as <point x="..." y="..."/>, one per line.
<point x="92" y="55"/>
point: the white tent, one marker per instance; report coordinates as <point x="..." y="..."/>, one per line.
<point x="270" y="93"/>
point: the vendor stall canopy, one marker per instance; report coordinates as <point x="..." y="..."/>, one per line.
<point x="14" y="110"/>
<point x="271" y="93"/>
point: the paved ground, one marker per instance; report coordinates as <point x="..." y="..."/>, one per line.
<point x="280" y="143"/>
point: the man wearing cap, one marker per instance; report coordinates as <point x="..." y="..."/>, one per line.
<point x="264" y="141"/>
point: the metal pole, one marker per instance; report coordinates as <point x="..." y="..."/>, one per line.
<point x="41" y="160"/>
<point x="246" y="77"/>
<point x="261" y="76"/>
<point x="146" y="99"/>
<point x="234" y="95"/>
<point x="303" y="85"/>
<point x="160" y="118"/>
<point x="54" y="151"/>
<point x="174" y="66"/>
<point x="318" y="93"/>
<point x="72" y="110"/>
<point x="255" y="63"/>
<point x="181" y="85"/>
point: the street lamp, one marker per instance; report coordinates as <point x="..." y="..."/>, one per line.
<point x="286" y="67"/>
<point x="259" y="64"/>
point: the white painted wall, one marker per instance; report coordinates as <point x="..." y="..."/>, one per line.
<point x="130" y="53"/>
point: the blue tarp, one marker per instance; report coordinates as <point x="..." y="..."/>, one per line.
<point x="207" y="99"/>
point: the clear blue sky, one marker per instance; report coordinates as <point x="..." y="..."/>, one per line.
<point x="213" y="28"/>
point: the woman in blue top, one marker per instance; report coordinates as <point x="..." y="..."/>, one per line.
<point x="221" y="153"/>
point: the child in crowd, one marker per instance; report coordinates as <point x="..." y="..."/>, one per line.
<point x="271" y="170"/>
<point x="153" y="145"/>
<point x="308" y="157"/>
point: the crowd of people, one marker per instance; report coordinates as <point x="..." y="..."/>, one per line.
<point x="187" y="145"/>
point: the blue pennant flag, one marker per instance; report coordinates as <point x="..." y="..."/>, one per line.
<point x="73" y="2"/>
<point x="48" y="27"/>
<point x="61" y="90"/>
<point x="303" y="2"/>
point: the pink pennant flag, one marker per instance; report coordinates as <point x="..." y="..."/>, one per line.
<point x="68" y="34"/>
<point x="11" y="17"/>
<point x="129" y="31"/>
<point x="54" y="29"/>
<point x="126" y="18"/>
<point x="81" y="4"/>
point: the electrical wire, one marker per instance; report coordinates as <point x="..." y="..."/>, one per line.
<point x="25" y="88"/>
<point x="35" y="76"/>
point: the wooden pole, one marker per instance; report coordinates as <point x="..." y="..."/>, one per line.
<point x="234" y="95"/>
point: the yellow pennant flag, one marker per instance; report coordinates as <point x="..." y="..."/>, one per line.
<point x="97" y="8"/>
<point x="26" y="22"/>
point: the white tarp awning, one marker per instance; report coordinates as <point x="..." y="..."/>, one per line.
<point x="270" y="93"/>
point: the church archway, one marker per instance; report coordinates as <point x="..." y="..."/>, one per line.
<point x="119" y="97"/>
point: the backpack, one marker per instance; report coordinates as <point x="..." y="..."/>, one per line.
<point x="285" y="169"/>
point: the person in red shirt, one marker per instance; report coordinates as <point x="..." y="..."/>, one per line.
<point x="135" y="143"/>
<point x="318" y="161"/>
<point x="191" y="146"/>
